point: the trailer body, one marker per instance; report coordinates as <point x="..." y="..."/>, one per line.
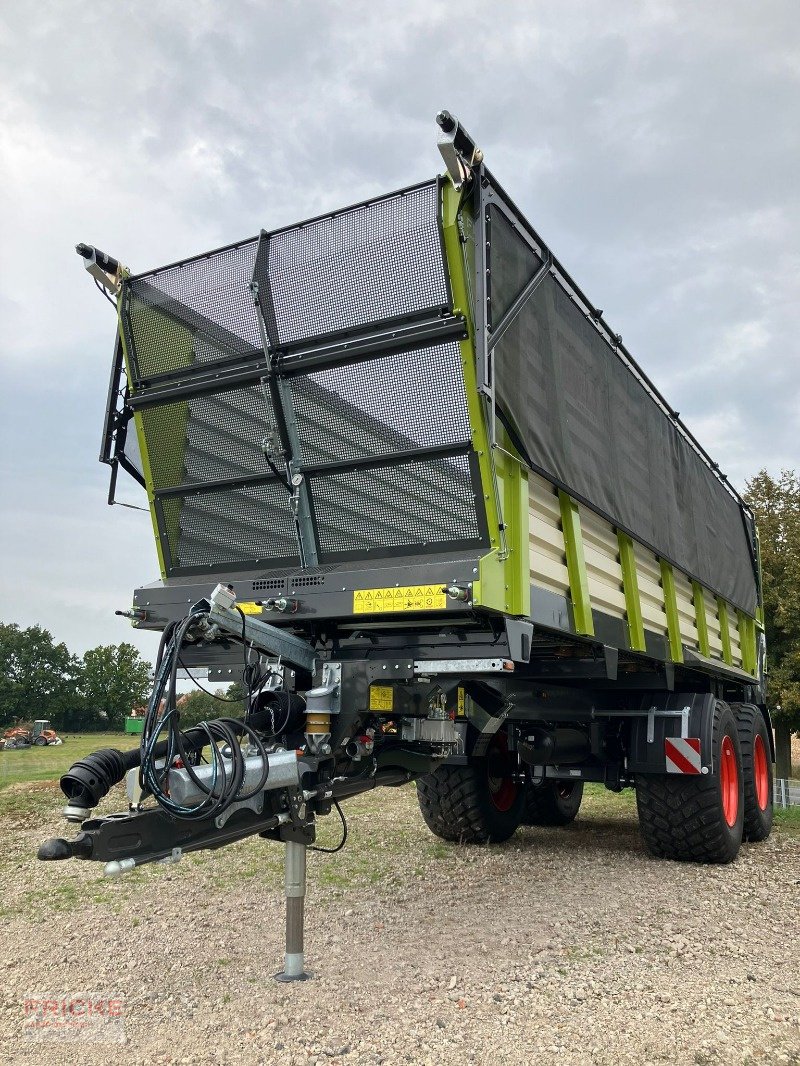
<point x="444" y="436"/>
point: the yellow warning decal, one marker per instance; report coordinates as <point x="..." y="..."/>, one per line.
<point x="462" y="703"/>
<point x="249" y="608"/>
<point x="399" y="598"/>
<point x="381" y="698"/>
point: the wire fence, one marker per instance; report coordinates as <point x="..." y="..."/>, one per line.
<point x="786" y="793"/>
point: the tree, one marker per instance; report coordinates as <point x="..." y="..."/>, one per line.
<point x="114" y="680"/>
<point x="202" y="706"/>
<point x="38" y="678"/>
<point x="776" y="503"/>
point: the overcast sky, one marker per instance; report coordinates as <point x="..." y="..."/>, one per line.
<point x="654" y="145"/>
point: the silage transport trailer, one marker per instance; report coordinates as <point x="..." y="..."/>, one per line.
<point x="410" y="488"/>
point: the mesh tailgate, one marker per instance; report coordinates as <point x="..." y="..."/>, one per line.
<point x="383" y="442"/>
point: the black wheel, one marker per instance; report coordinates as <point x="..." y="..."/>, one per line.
<point x="476" y="804"/>
<point x="697" y="817"/>
<point x="553" y="803"/>
<point x="41" y="742"/>
<point x="756" y="770"/>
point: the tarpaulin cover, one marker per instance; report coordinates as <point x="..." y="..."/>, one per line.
<point x="588" y="423"/>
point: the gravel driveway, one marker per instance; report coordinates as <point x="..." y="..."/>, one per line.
<point x="565" y="945"/>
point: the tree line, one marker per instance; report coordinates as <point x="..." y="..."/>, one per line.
<point x="40" y="678"/>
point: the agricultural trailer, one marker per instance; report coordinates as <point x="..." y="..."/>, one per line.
<point x="410" y="489"/>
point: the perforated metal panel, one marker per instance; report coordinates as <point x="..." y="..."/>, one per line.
<point x="383" y="441"/>
<point x="198" y="311"/>
<point x="208" y="437"/>
<point x="364" y="264"/>
<point x="393" y="403"/>
<point x="250" y="524"/>
<point x="411" y="505"/>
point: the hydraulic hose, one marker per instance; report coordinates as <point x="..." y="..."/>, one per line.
<point x="89" y="779"/>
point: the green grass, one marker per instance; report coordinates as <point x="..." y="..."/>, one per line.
<point x="788" y="820"/>
<point x="48" y="764"/>
<point x="388" y="843"/>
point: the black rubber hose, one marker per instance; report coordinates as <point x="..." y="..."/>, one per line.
<point x="89" y="779"/>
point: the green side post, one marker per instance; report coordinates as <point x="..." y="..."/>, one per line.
<point x="700" y="618"/>
<point x="576" y="565"/>
<point x="504" y="578"/>
<point x="747" y="640"/>
<point x="630" y="587"/>
<point x="724" y="630"/>
<point x="671" y="611"/>
<point x="517" y="521"/>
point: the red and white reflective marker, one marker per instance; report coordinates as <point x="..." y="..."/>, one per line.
<point x="683" y="755"/>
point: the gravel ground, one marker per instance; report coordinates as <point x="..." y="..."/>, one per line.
<point x="569" y="946"/>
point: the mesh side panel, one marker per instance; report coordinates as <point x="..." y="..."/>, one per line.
<point x="208" y="437"/>
<point x="382" y="406"/>
<point x="362" y="265"/>
<point x="411" y="504"/>
<point x="246" y="525"/>
<point x="512" y="268"/>
<point x="225" y="432"/>
<point x="200" y="311"/>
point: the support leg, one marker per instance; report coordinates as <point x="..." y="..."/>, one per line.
<point x="294" y="962"/>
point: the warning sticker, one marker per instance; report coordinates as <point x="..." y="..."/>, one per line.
<point x="381" y="698"/>
<point x="399" y="598"/>
<point x="249" y="608"/>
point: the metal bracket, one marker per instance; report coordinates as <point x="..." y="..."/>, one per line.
<point x="274" y="641"/>
<point x="255" y="804"/>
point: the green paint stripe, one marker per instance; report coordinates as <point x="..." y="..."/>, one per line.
<point x="141" y="440"/>
<point x="724" y="631"/>
<point x="700" y="618"/>
<point x="671" y="611"/>
<point x="576" y="565"/>
<point x="630" y="587"/>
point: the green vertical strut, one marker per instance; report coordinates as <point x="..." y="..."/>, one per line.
<point x="700" y="618"/>
<point x="747" y="640"/>
<point x="671" y="611"/>
<point x="724" y="630"/>
<point x="630" y="587"/>
<point x="576" y="565"/>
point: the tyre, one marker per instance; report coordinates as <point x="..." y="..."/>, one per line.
<point x="756" y="770"/>
<point x="41" y="742"/>
<point x="553" y="803"/>
<point x="697" y="817"/>
<point x="480" y="803"/>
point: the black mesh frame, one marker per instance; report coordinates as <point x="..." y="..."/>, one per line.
<point x="384" y="474"/>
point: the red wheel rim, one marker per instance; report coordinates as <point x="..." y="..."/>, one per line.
<point x="729" y="781"/>
<point x="502" y="786"/>
<point x="761" y="773"/>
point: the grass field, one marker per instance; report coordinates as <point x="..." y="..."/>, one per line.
<point x="48" y="764"/>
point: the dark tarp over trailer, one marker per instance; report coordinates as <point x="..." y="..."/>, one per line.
<point x="584" y="418"/>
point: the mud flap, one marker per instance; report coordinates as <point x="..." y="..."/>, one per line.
<point x="668" y="715"/>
